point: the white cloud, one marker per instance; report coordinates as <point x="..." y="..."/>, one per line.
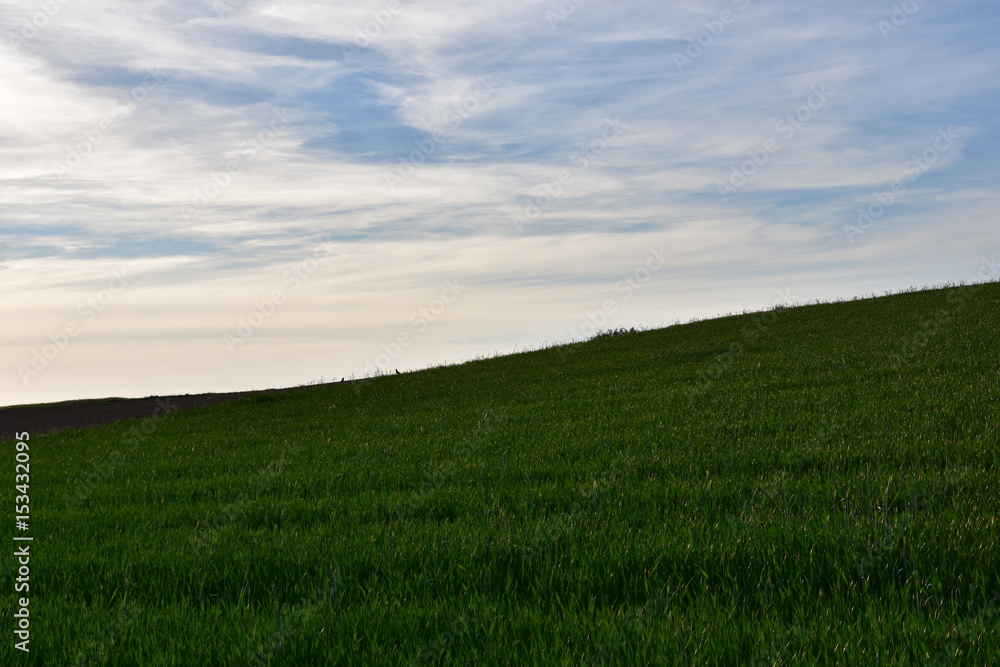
<point x="221" y="79"/>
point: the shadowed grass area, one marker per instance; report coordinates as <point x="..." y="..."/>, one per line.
<point x="808" y="484"/>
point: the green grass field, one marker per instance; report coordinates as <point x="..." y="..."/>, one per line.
<point x="816" y="484"/>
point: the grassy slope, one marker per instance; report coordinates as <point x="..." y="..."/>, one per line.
<point x="776" y="487"/>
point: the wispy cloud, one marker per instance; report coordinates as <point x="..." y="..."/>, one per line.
<point x="142" y="137"/>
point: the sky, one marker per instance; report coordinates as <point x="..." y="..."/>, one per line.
<point x="232" y="195"/>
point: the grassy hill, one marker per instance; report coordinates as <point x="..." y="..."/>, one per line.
<point x="816" y="483"/>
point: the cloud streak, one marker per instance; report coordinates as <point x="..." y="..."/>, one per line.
<point x="143" y="137"/>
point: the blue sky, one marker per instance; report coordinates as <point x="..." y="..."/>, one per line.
<point x="212" y="196"/>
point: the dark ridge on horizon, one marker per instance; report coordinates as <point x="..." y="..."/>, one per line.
<point x="45" y="418"/>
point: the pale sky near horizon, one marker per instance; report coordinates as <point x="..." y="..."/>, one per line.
<point x="217" y="196"/>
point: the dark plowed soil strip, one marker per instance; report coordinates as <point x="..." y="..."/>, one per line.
<point x="52" y="417"/>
